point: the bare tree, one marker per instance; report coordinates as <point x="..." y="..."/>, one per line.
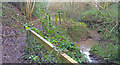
<point x="29" y="8"/>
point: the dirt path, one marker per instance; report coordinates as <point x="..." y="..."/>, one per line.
<point x="13" y="46"/>
<point x="13" y="40"/>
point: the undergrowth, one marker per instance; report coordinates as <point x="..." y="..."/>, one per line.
<point x="62" y="42"/>
<point x="107" y="51"/>
<point x="77" y="31"/>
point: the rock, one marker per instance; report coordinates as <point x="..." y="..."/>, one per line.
<point x="90" y="55"/>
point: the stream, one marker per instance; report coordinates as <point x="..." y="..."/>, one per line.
<point x="85" y="46"/>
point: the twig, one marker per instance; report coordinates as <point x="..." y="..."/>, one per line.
<point x="35" y="21"/>
<point x="99" y="10"/>
<point x="114" y="27"/>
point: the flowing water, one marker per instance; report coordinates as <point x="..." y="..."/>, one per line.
<point x="85" y="46"/>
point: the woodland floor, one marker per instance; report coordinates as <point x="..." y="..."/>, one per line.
<point x="13" y="41"/>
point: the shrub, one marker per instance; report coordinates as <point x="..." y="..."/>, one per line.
<point x="107" y="51"/>
<point x="76" y="31"/>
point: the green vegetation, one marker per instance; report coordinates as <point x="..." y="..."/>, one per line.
<point x="75" y="30"/>
<point x="107" y="51"/>
<point x="103" y="21"/>
<point x="78" y="31"/>
<point x="62" y="42"/>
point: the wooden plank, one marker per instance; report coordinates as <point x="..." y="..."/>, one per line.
<point x="63" y="57"/>
<point x="47" y="44"/>
<point x="64" y="17"/>
<point x="67" y="59"/>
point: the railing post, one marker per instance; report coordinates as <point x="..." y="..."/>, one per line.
<point x="60" y="17"/>
<point x="64" y="17"/>
<point x="56" y="18"/>
<point x="49" y="17"/>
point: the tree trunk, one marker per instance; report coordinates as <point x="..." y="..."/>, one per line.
<point x="29" y="8"/>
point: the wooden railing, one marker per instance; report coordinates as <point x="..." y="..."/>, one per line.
<point x="59" y="17"/>
<point x="63" y="57"/>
